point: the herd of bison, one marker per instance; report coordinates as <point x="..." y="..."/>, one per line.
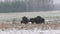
<point x="37" y="20"/>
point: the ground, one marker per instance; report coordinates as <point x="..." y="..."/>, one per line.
<point x="51" y="26"/>
<point x="30" y="26"/>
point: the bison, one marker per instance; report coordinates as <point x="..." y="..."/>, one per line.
<point x="25" y="20"/>
<point x="32" y="20"/>
<point x="37" y="20"/>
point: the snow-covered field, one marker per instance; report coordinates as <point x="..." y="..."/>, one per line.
<point x="34" y="31"/>
<point x="29" y="14"/>
<point x="8" y="17"/>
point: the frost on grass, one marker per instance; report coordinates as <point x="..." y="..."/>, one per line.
<point x="34" y="31"/>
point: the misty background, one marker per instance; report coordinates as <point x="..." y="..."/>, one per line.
<point x="28" y="5"/>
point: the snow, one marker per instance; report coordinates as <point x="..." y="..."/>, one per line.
<point x="34" y="31"/>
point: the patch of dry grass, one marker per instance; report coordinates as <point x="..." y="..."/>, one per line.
<point x="30" y="26"/>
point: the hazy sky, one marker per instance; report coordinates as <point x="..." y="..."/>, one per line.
<point x="56" y="1"/>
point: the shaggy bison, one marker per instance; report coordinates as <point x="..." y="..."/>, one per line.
<point x="32" y="20"/>
<point x="25" y="20"/>
<point x="37" y="20"/>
